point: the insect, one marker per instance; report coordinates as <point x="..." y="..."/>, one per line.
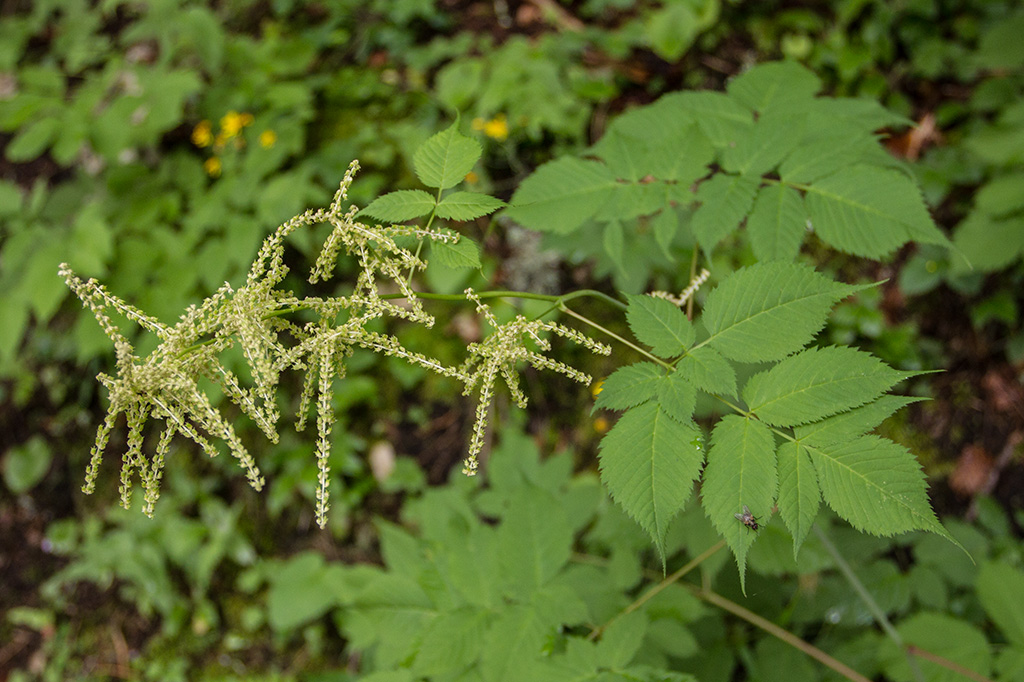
<point x="748" y="519"/>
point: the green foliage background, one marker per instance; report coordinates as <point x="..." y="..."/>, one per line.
<point x="419" y="576"/>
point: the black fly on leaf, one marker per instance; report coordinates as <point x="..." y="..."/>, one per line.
<point x="748" y="519"/>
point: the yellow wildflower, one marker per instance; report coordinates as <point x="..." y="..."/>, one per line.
<point x="232" y="123"/>
<point x="267" y="139"/>
<point x="202" y="134"/>
<point x="212" y="166"/>
<point x="497" y="128"/>
<point x="600" y="424"/>
<point x="596" y="388"/>
<point x="472" y="178"/>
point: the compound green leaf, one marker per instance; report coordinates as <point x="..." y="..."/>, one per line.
<point x="451" y="642"/>
<point x="856" y="422"/>
<point x="660" y="324"/>
<point x="777" y="223"/>
<point x="708" y="371"/>
<point x="445" y="159"/>
<point x="725" y="202"/>
<point x="741" y="471"/>
<point x="766" y="311"/>
<point x="876" y="485"/>
<point x="629" y="386"/>
<point x="561" y="195"/>
<point x="799" y="495"/>
<point x="720" y="117"/>
<point x="397" y="207"/>
<point x="515" y="636"/>
<point x="760" y="148"/>
<point x="649" y="463"/>
<point x="464" y="253"/>
<point x="467" y="205"/>
<point x="817" y="383"/>
<point x="677" y="397"/>
<point x="534" y="542"/>
<point x="870" y="211"/>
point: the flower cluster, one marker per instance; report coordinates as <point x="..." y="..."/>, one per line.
<point x="258" y="319"/>
<point x="231" y="126"/>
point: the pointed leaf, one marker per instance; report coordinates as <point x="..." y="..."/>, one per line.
<point x="397" y="207"/>
<point x="799" y="495"/>
<point x="870" y="211"/>
<point x="709" y="371"/>
<point x="467" y="205"/>
<point x="725" y="202"/>
<point x="876" y="485"/>
<point x="659" y="324"/>
<point x="629" y="386"/>
<point x="677" y="397"/>
<point x="534" y="542"/>
<point x="768" y="310"/>
<point x="817" y="383"/>
<point x="766" y="84"/>
<point x="761" y="148"/>
<point x="649" y="464"/>
<point x="1001" y="592"/>
<point x="849" y="425"/>
<point x="720" y="117"/>
<point x="561" y="195"/>
<point x="741" y="471"/>
<point x="444" y="159"/>
<point x="464" y="253"/>
<point x="777" y="223"/>
<point x="621" y="641"/>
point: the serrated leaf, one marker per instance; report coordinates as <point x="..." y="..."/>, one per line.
<point x="777" y="223"/>
<point x="720" y="117"/>
<point x="766" y="84"/>
<point x="708" y="371"/>
<point x="534" y="542"/>
<point x="659" y="324"/>
<point x="799" y="495"/>
<point x="856" y="422"/>
<point x="821" y="154"/>
<point x="629" y="386"/>
<point x="870" y="211"/>
<point x="649" y="464"/>
<point x="817" y="383"/>
<point x="397" y="207"/>
<point x="621" y="641"/>
<point x="677" y="397"/>
<point x="876" y="485"/>
<point x="614" y="242"/>
<point x="467" y="205"/>
<point x="515" y="636"/>
<point x="561" y="195"/>
<point x="741" y="471"/>
<point x="664" y="225"/>
<point x="766" y="311"/>
<point x="445" y="159"/>
<point x="464" y="253"/>
<point x="725" y="202"/>
<point x="760" y="148"/>
<point x="451" y="642"/>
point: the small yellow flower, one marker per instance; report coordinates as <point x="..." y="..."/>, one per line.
<point x="267" y="139"/>
<point x="202" y="134"/>
<point x="497" y="128"/>
<point x="212" y="166"/>
<point x="596" y="389"/>
<point x="232" y="123"/>
<point x="600" y="424"/>
<point x="472" y="178"/>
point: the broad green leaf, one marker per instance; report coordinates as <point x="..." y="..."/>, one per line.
<point x="708" y="371"/>
<point x="561" y="195"/>
<point x="444" y="159"/>
<point x="777" y="223"/>
<point x="665" y="225"/>
<point x="817" y="383"/>
<point x="799" y="495"/>
<point x="660" y="141"/>
<point x="467" y="205"/>
<point x="660" y="324"/>
<point x="876" y="485"/>
<point x="516" y="636"/>
<point x="760" y="148"/>
<point x="397" y="207"/>
<point x="671" y="30"/>
<point x="451" y="642"/>
<point x="534" y="542"/>
<point x="33" y="139"/>
<point x="725" y="202"/>
<point x="768" y="84"/>
<point x="621" y="641"/>
<point x="471" y="564"/>
<point x="298" y="592"/>
<point x="649" y="464"/>
<point x="870" y="211"/>
<point x="769" y="310"/>
<point x="462" y="254"/>
<point x="614" y="242"/>
<point x="677" y="397"/>
<point x="26" y="464"/>
<point x="856" y="422"/>
<point x="989" y="244"/>
<point x="1001" y="196"/>
<point x="741" y="471"/>
<point x="821" y="154"/>
<point x="1001" y="592"/>
<point x="954" y="639"/>
<point x="629" y="386"/>
<point x="720" y="117"/>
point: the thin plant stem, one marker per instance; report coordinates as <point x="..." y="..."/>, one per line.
<point x="693" y="274"/>
<point x="946" y="663"/>
<point x="615" y="336"/>
<point x="869" y="601"/>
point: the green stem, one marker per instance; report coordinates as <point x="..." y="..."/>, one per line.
<point x="615" y="336"/>
<point x="869" y="601"/>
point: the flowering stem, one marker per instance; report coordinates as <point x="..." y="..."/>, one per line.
<point x="615" y="336"/>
